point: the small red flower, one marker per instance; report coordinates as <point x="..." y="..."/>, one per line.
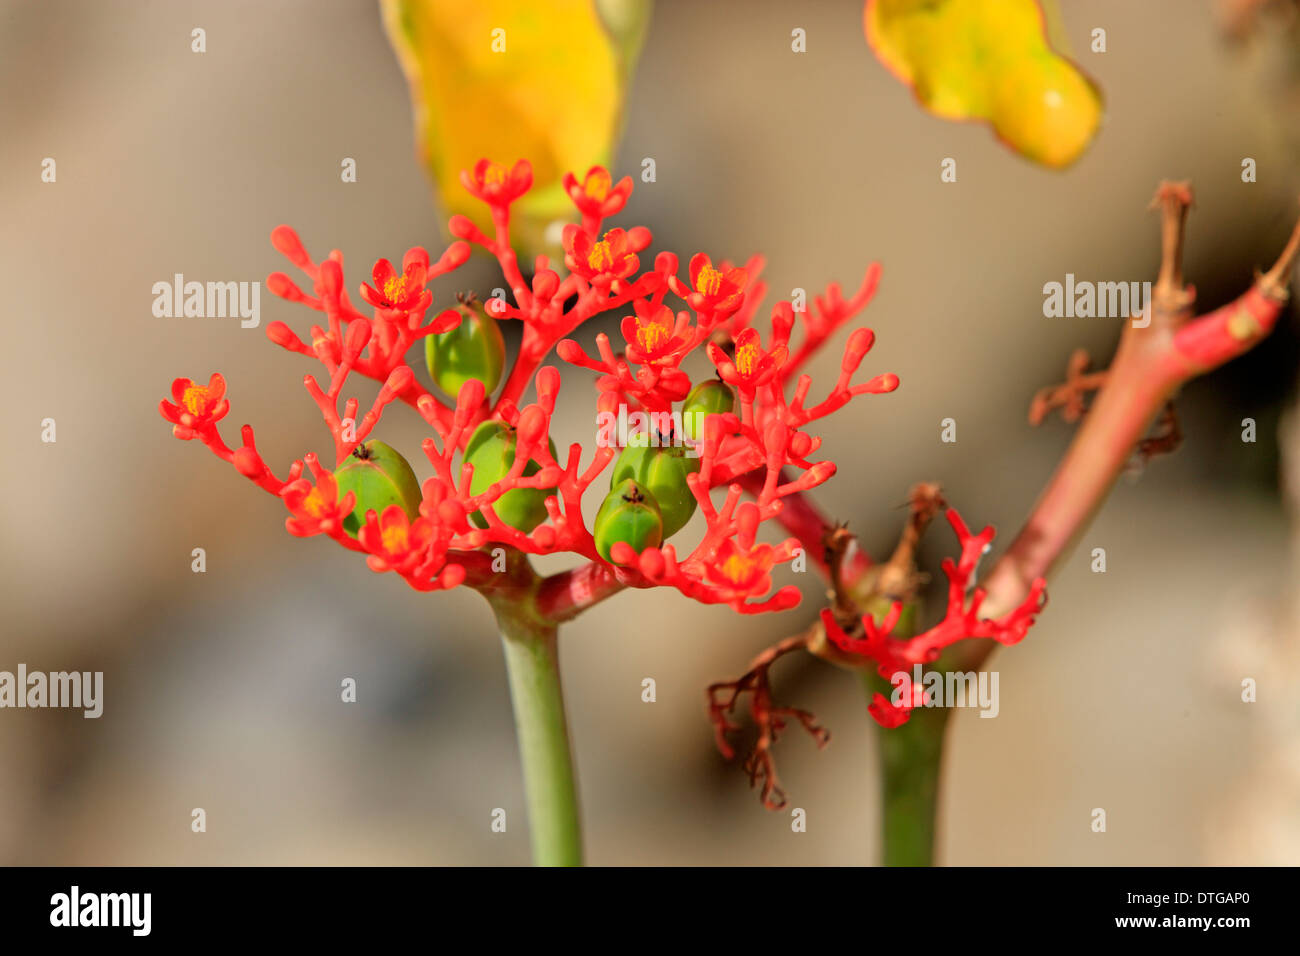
<point x="751" y="366"/>
<point x="316" y="508"/>
<point x="496" y="185"/>
<point x="742" y="570"/>
<point x="596" y="195"/>
<point x="600" y="261"/>
<point x="401" y="292"/>
<point x="652" y="333"/>
<point x="721" y="289"/>
<point x="196" y="406"/>
<point x="394" y="541"/>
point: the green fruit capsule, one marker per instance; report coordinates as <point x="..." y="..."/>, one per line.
<point x="629" y="513"/>
<point x="379" y="476"/>
<point x="662" y="472"/>
<point x="707" y="398"/>
<point x="491" y="450"/>
<point x="474" y="349"/>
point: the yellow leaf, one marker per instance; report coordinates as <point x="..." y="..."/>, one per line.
<point x="516" y="79"/>
<point x="989" y="60"/>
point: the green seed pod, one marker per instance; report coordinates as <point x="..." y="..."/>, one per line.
<point x="662" y="472"/>
<point x="491" y="450"/>
<point x="707" y="398"/>
<point x="629" y="513"/>
<point x="474" y="349"/>
<point x="379" y="476"/>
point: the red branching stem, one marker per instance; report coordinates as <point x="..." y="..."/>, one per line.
<point x="564" y="596"/>
<point x="965" y="619"/>
<point x="801" y="517"/>
<point x="769" y="718"/>
<point x="828" y="313"/>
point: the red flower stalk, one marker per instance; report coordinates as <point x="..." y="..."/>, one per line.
<point x="449" y="541"/>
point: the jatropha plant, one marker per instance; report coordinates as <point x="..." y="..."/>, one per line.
<point x="500" y="490"/>
<point x="729" y="439"/>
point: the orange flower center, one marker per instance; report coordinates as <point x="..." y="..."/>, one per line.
<point x="650" y="335"/>
<point x="196" y="399"/>
<point x="396" y="538"/>
<point x="395" y="288"/>
<point x="494" y="175"/>
<point x="315" y="504"/>
<point x="709" y="281"/>
<point x="596" y="185"/>
<point x="601" y="257"/>
<point x="747" y="358"/>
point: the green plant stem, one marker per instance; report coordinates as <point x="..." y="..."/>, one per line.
<point x="550" y="786"/>
<point x="909" y="758"/>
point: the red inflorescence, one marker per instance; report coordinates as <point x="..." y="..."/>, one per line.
<point x="765" y="441"/>
<point x="894" y="656"/>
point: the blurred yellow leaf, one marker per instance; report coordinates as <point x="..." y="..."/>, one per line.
<point x="989" y="60"/>
<point x="516" y="79"/>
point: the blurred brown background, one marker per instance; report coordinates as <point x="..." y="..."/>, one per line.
<point x="222" y="689"/>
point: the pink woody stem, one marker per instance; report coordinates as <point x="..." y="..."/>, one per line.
<point x="1134" y="393"/>
<point x="1152" y="362"/>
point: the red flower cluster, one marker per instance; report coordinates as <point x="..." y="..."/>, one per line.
<point x="961" y="622"/>
<point x="766" y="440"/>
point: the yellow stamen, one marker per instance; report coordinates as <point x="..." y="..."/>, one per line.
<point x="196" y="399"/>
<point x="747" y="358"/>
<point x="315" y="504"/>
<point x="650" y="335"/>
<point x="395" y="288"/>
<point x="709" y="281"/>
<point x="494" y="175"/>
<point x="396" y="537"/>
<point x="736" y="567"/>
<point x="596" y="186"/>
<point x="601" y="257"/>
